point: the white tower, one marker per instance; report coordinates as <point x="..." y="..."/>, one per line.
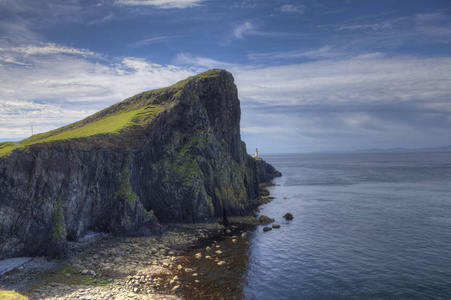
<point x="256" y="152"/>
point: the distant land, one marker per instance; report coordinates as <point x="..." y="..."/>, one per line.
<point x="405" y="149"/>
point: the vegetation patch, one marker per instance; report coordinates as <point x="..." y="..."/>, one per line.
<point x="59" y="228"/>
<point x="125" y="188"/>
<point x="11" y="295"/>
<point x="75" y="277"/>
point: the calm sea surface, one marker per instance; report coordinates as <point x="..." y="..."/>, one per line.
<point x="366" y="226"/>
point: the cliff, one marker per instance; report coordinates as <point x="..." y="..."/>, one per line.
<point x="171" y="155"/>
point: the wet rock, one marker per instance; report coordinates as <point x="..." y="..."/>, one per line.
<point x="265" y="220"/>
<point x="265" y="229"/>
<point x="288" y="216"/>
<point x="275" y="226"/>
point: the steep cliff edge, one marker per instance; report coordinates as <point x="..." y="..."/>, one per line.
<point x="171" y="155"/>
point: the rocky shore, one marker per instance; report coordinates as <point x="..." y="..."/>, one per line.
<point x="186" y="262"/>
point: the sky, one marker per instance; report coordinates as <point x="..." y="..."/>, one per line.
<point x="312" y="75"/>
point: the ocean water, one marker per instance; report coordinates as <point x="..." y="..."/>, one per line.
<point x="366" y="226"/>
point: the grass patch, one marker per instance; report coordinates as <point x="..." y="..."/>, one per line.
<point x="11" y="295"/>
<point x="75" y="278"/>
<point x="6" y="147"/>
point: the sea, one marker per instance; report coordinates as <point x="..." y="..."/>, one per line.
<point x="367" y="225"/>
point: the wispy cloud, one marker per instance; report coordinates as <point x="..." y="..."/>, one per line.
<point x="48" y="49"/>
<point x="436" y="25"/>
<point x="153" y="40"/>
<point x="248" y="29"/>
<point x="186" y="59"/>
<point x="323" y="52"/>
<point x="49" y="91"/>
<point x="163" y="4"/>
<point x="103" y="20"/>
<point x="293" y="8"/>
<point x="242" y="30"/>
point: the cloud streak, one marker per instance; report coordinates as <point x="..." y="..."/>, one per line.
<point x="162" y="4"/>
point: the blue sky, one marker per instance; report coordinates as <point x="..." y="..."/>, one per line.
<point x="312" y="75"/>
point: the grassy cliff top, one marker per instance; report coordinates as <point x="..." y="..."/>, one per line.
<point x="119" y="118"/>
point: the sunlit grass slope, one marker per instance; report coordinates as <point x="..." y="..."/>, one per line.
<point x="11" y="295"/>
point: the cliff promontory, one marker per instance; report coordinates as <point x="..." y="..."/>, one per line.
<point x="171" y="155"/>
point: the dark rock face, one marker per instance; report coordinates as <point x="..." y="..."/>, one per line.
<point x="188" y="165"/>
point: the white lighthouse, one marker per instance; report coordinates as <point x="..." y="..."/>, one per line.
<point x="256" y="153"/>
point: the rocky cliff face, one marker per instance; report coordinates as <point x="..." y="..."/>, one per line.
<point x="180" y="159"/>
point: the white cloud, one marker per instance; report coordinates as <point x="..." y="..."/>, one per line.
<point x="241" y="31"/>
<point x="163" y="4"/>
<point x="363" y="79"/>
<point x="323" y="52"/>
<point x="48" y="49"/>
<point x="186" y="59"/>
<point x="436" y="25"/>
<point x="292" y="8"/>
<point x="153" y="40"/>
<point x="51" y="91"/>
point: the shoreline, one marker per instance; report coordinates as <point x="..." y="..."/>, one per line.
<point x="164" y="267"/>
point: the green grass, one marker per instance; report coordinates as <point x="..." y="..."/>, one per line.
<point x="6" y="147"/>
<point x="116" y="119"/>
<point x="11" y="295"/>
<point x="115" y="123"/>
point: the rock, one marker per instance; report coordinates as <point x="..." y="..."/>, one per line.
<point x="184" y="138"/>
<point x="234" y="240"/>
<point x="198" y="255"/>
<point x="85" y="272"/>
<point x="208" y="248"/>
<point x="267" y="229"/>
<point x="189" y="270"/>
<point x="275" y="226"/>
<point x="179" y="267"/>
<point x="218" y="252"/>
<point x="228" y="231"/>
<point x="175" y="288"/>
<point x="265" y="220"/>
<point x="288" y="216"/>
<point x="67" y="275"/>
<point x="221" y="263"/>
